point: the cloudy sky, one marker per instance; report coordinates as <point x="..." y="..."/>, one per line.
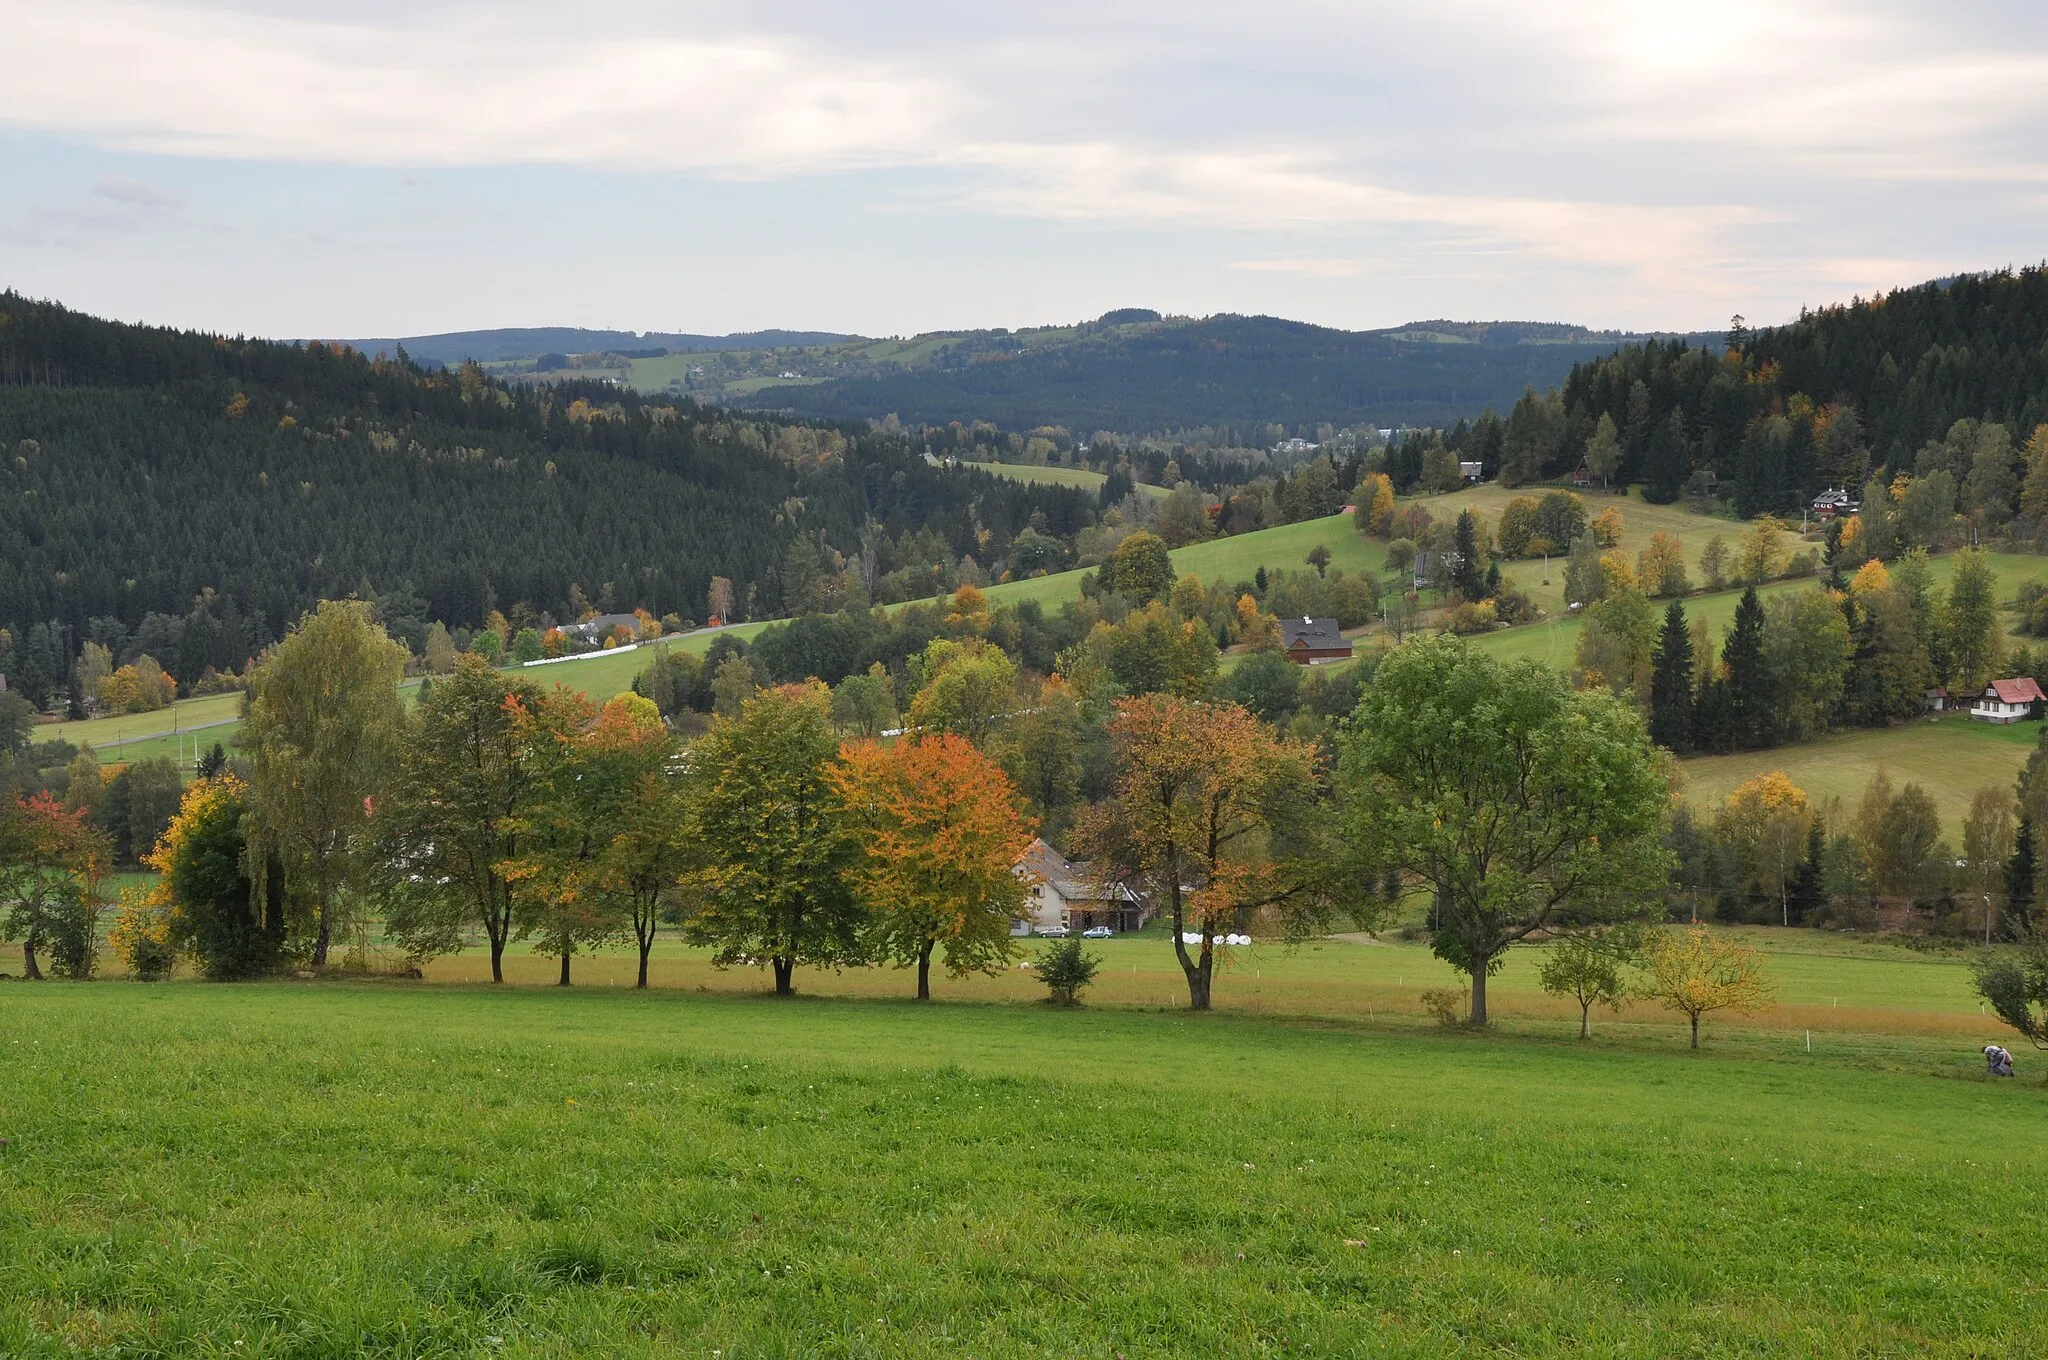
<point x="405" y="166"/>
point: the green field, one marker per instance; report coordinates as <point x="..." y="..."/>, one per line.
<point x="1063" y="476"/>
<point x="144" y="736"/>
<point x="420" y="1169"/>
<point x="1951" y="757"/>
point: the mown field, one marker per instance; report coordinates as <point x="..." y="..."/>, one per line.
<point x="1064" y="476"/>
<point x="420" y="1169"/>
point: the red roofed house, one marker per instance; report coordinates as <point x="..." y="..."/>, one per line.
<point x="2007" y="701"/>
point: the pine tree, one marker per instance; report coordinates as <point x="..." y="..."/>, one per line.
<point x="1751" y="722"/>
<point x="2017" y="920"/>
<point x="1806" y="894"/>
<point x="1671" y="683"/>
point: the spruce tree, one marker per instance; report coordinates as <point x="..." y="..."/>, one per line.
<point x="2017" y="921"/>
<point x="1750" y="724"/>
<point x="1671" y="683"/>
<point x="1467" y="578"/>
<point x="1807" y="894"/>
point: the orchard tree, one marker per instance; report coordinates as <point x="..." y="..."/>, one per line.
<point x="1592" y="968"/>
<point x="1522" y="804"/>
<point x="1216" y="817"/>
<point x="940" y="838"/>
<point x="632" y="772"/>
<point x="1696" y="974"/>
<point x="562" y="826"/>
<point x="324" y="731"/>
<point x="770" y="857"/>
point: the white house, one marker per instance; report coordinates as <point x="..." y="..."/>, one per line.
<point x="1471" y="471"/>
<point x="1063" y="896"/>
<point x="2006" y="701"/>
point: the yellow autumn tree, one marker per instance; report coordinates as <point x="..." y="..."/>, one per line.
<point x="1766" y="821"/>
<point x="1696" y="974"/>
<point x="1374" y="500"/>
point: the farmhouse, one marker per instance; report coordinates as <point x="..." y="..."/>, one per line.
<point x="2007" y="701"/>
<point x="1832" y="502"/>
<point x="601" y="626"/>
<point x="1313" y="642"/>
<point x="1471" y="472"/>
<point x="1063" y="896"/>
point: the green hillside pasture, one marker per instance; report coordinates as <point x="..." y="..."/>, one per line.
<point x="1555" y="641"/>
<point x="407" y="1170"/>
<point x="1063" y="476"/>
<point x="1951" y="757"/>
<point x="1233" y="559"/>
<point x="1639" y="521"/>
<point x="103" y="732"/>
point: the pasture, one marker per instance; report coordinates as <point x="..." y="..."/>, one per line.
<point x="1063" y="476"/>
<point x="1950" y="756"/>
<point x="412" y="1169"/>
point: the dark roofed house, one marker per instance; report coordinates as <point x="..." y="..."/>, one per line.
<point x="1471" y="471"/>
<point x="2007" y="701"/>
<point x="1313" y="642"/>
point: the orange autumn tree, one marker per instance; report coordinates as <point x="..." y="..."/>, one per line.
<point x="941" y="836"/>
<point x="1216" y="817"/>
<point x="52" y="861"/>
<point x="553" y="876"/>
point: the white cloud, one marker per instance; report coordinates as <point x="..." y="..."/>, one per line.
<point x="1679" y="157"/>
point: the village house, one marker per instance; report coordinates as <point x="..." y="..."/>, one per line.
<point x="2007" y="701"/>
<point x="1832" y="502"/>
<point x="1471" y="473"/>
<point x="1313" y="642"/>
<point x="598" y="627"/>
<point x="1064" y="898"/>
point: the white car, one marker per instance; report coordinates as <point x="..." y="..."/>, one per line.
<point x="1053" y="933"/>
<point x="1099" y="933"/>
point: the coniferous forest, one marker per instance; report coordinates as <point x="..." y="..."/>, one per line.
<point x="198" y="492"/>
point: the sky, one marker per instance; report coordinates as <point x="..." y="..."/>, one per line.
<point x="402" y="167"/>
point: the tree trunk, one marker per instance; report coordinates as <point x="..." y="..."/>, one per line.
<point x="565" y="969"/>
<point x="1585" y="1017"/>
<point x="1199" y="979"/>
<point x="323" y="936"/>
<point x="646" y="948"/>
<point x="1695" y="1031"/>
<point x="785" y="970"/>
<point x="29" y="969"/>
<point x="924" y="970"/>
<point x="497" y="957"/>
<point x="1479" y="997"/>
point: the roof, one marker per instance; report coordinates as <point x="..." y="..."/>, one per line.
<point x="601" y="624"/>
<point x="1315" y="634"/>
<point x="2020" y="691"/>
<point x="1065" y="877"/>
<point x="1832" y="496"/>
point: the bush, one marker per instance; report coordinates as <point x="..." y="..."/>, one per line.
<point x="1448" y="1004"/>
<point x="1513" y="605"/>
<point x="1065" y="968"/>
<point x="74" y="935"/>
<point x="1805" y="563"/>
<point x="1477" y="617"/>
<point x="141" y="936"/>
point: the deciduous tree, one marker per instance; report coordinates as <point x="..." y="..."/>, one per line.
<point x="1520" y="803"/>
<point x="52" y="861"/>
<point x="323" y="733"/>
<point x="1593" y="968"/>
<point x="771" y="857"/>
<point x="1696" y="974"/>
<point x="940" y="838"/>
<point x="1215" y="818"/>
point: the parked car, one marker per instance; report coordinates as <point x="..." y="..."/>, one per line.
<point x="1098" y="933"/>
<point x="1053" y="932"/>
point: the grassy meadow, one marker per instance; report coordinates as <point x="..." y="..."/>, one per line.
<point x="418" y="1169"/>
<point x="1063" y="476"/>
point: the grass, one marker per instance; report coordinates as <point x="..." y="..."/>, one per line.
<point x="408" y="1169"/>
<point x="1063" y="476"/>
<point x="1233" y="559"/>
<point x="1951" y="757"/>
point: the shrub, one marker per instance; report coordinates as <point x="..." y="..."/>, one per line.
<point x="1478" y="617"/>
<point x="1065" y="968"/>
<point x="141" y="936"/>
<point x="1447" y="1004"/>
<point x="74" y="933"/>
<point x="1805" y="563"/>
<point x="1513" y="605"/>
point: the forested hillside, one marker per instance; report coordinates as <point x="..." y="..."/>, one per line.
<point x="191" y="494"/>
<point x="1828" y="400"/>
<point x="1221" y="370"/>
